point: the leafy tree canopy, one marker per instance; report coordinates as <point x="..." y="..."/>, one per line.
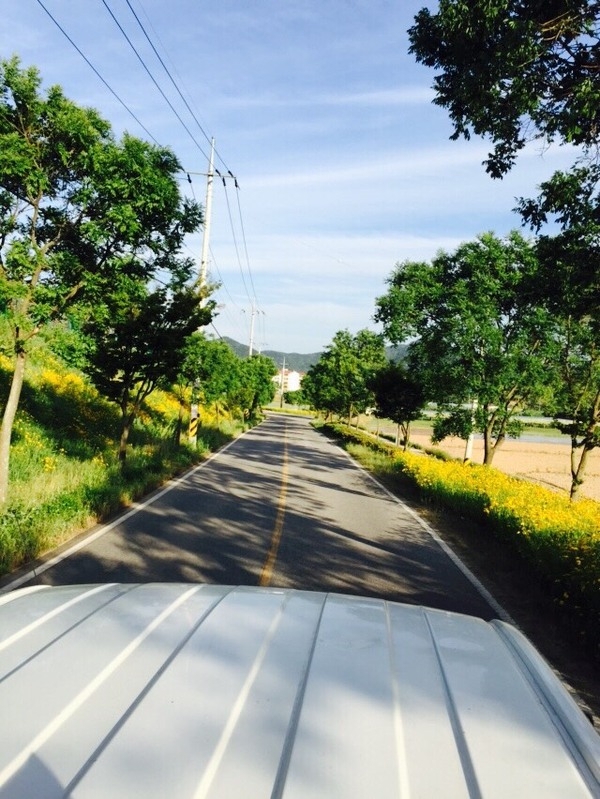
<point x="513" y="70"/>
<point x="211" y="366"/>
<point x="257" y="387"/>
<point x="338" y="382"/>
<point x="138" y="338"/>
<point x="569" y="286"/>
<point x="398" y="396"/>
<point x="571" y="280"/>
<point x="478" y="333"/>
<point x="78" y="210"/>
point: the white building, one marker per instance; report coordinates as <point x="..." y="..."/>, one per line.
<point x="288" y="380"/>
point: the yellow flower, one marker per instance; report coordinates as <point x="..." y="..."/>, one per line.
<point x="49" y="463"/>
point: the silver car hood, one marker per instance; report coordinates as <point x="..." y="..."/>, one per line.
<point x="170" y="690"/>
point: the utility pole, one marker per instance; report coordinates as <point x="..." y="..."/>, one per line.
<point x="202" y="280"/>
<point x="251" y="344"/>
<point x="207" y="217"/>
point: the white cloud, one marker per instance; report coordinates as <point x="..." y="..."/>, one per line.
<point x="393" y="98"/>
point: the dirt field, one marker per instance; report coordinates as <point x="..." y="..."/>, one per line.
<point x="547" y="463"/>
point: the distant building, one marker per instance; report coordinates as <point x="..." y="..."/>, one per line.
<point x="288" y="380"/>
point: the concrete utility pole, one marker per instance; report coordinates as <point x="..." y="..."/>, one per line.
<point x="202" y="281"/>
<point x="207" y="217"/>
<point x="251" y="344"/>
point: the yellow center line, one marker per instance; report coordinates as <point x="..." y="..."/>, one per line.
<point x="267" y="569"/>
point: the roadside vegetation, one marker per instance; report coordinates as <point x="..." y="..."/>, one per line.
<point x="66" y="472"/>
<point x="556" y="541"/>
<point x="102" y="367"/>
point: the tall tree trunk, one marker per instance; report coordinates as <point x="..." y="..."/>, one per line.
<point x="488" y="449"/>
<point x="126" y="425"/>
<point x="406" y="430"/>
<point x="588" y="443"/>
<point x="578" y="466"/>
<point x="8" y="419"/>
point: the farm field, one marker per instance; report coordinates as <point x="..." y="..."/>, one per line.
<point x="544" y="462"/>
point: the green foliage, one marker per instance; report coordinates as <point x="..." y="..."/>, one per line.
<point x="78" y="210"/>
<point x="479" y="333"/>
<point x="512" y="70"/>
<point x="257" y="388"/>
<point x="211" y="367"/>
<point x="570" y="281"/>
<point x="64" y="472"/>
<point x="398" y="396"/>
<point x="339" y="382"/>
<point x="138" y="339"/>
<point x="569" y="287"/>
<point x="221" y="378"/>
<point x="295" y="397"/>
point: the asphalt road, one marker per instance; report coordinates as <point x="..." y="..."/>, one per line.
<point x="280" y="506"/>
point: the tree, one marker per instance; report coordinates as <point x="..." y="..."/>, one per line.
<point x="77" y="208"/>
<point x="256" y="387"/>
<point x="319" y="386"/>
<point x="519" y="69"/>
<point x="294" y="397"/>
<point x="338" y="382"/>
<point x="478" y="336"/>
<point x="398" y="397"/>
<point x="211" y="368"/>
<point x="569" y="287"/>
<point x="138" y="342"/>
<point x="513" y="70"/>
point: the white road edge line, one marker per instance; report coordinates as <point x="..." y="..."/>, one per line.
<point x="135" y="508"/>
<point x="493" y="603"/>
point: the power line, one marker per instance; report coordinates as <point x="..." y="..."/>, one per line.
<point x="212" y="324"/>
<point x="89" y="63"/>
<point x="237" y="194"/>
<point x="152" y="78"/>
<point x="220" y="276"/>
<point x="167" y="71"/>
<point x="177" y="89"/>
<point x="133" y="115"/>
<point x="235" y="243"/>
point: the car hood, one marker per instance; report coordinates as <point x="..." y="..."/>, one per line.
<point x="172" y="690"/>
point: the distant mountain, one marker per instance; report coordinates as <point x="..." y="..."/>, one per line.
<point x="295" y="361"/>
<point x="299" y="362"/>
<point x="396" y="353"/>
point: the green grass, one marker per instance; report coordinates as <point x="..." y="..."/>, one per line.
<point x="64" y="472"/>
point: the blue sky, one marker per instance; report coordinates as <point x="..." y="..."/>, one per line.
<point x="343" y="163"/>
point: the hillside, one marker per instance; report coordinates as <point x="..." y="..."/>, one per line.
<point x="293" y="360"/>
<point x="300" y="362"/>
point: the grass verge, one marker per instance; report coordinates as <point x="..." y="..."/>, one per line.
<point x="556" y="541"/>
